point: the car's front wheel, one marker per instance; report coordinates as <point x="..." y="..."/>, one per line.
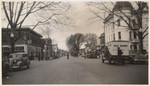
<point x="20" y="67"/>
<point x="28" y="66"/>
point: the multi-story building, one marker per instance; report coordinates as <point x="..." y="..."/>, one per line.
<point x="47" y="48"/>
<point x="116" y="30"/>
<point x="55" y="51"/>
<point x="29" y="41"/>
<point x="102" y="40"/>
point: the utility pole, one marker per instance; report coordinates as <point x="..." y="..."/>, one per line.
<point x="104" y="29"/>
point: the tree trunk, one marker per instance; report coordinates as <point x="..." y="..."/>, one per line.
<point x="12" y="45"/>
<point x="141" y="45"/>
<point x="141" y="42"/>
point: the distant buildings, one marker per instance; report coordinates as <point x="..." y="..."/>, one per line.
<point x="117" y="30"/>
<point x="47" y="49"/>
<point x="55" y="51"/>
<point x="102" y="40"/>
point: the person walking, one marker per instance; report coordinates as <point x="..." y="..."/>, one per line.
<point x="67" y="55"/>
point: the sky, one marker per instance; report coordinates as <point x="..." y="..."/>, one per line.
<point x="80" y="16"/>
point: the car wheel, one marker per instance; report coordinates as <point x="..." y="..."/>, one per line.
<point x="109" y="61"/>
<point x="28" y="66"/>
<point x="103" y="60"/>
<point x="20" y="67"/>
<point x="131" y="61"/>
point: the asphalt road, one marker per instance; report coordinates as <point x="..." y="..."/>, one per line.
<point x="78" y="71"/>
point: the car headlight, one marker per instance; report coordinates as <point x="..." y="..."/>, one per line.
<point x="15" y="60"/>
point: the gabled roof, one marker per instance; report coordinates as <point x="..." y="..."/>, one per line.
<point x="122" y="6"/>
<point x="119" y="6"/>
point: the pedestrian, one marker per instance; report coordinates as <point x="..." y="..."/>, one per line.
<point x="32" y="56"/>
<point x="67" y="55"/>
<point x="119" y="58"/>
<point x="39" y="57"/>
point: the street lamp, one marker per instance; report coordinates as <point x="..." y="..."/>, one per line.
<point x="12" y="42"/>
<point x="12" y="35"/>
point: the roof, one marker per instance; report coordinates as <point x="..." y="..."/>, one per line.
<point x="102" y="35"/>
<point x="122" y="6"/>
<point x="25" y="29"/>
<point x="119" y="6"/>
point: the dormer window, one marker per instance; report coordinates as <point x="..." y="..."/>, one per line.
<point x="118" y="22"/>
<point x="133" y="21"/>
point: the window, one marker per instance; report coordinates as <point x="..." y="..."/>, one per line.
<point x="135" y="47"/>
<point x="5" y="49"/>
<point x="114" y="37"/>
<point x="118" y="21"/>
<point x="19" y="48"/>
<point x="113" y="25"/>
<point x="133" y="21"/>
<point x="130" y="34"/>
<point x="119" y="35"/>
<point x="111" y="37"/>
<point x="131" y="47"/>
<point x="123" y="46"/>
<point x="134" y="35"/>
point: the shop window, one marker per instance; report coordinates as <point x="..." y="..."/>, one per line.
<point x="5" y="49"/>
<point x="19" y="48"/>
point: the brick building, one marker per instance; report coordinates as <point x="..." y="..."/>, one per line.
<point x="29" y="42"/>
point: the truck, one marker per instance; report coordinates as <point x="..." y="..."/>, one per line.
<point x="110" y="52"/>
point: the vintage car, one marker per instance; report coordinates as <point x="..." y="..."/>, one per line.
<point x="139" y="57"/>
<point x="91" y="54"/>
<point x="19" y="61"/>
<point x="110" y="52"/>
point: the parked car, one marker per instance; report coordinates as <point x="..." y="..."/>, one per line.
<point x="91" y="54"/>
<point x="19" y="61"/>
<point x="139" y="57"/>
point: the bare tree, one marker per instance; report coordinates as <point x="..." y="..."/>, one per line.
<point x="17" y="12"/>
<point x="91" y="40"/>
<point x="139" y="11"/>
<point x="74" y="42"/>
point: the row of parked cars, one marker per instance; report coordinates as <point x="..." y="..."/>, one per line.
<point x="15" y="61"/>
<point x="137" y="58"/>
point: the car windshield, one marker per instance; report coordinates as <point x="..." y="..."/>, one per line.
<point x="16" y="55"/>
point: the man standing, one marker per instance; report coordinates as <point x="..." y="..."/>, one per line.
<point x="67" y="55"/>
<point x="119" y="55"/>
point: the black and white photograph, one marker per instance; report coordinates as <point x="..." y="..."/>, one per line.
<point x="68" y="42"/>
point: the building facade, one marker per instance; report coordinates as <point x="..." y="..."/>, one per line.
<point x="28" y="42"/>
<point x="116" y="30"/>
<point x="47" y="49"/>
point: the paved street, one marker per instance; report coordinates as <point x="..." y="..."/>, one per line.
<point x="79" y="71"/>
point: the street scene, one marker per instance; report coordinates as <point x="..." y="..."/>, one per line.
<point x="78" y="71"/>
<point x="68" y="42"/>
